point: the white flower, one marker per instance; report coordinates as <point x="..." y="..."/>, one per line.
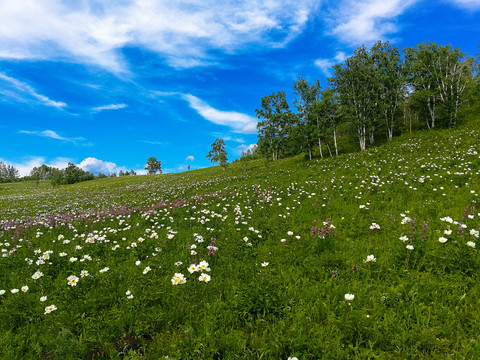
<point x="290" y="233"/>
<point x="471" y="244"/>
<point x="25" y="288"/>
<point x="138" y="262"/>
<point x="292" y="358"/>
<point x="178" y="279"/>
<point x="192" y="268"/>
<point x="72" y="280"/>
<point x="448" y="232"/>
<point x="203" y="266"/>
<point x="178" y="263"/>
<point x="265" y="264"/>
<point x="474" y="232"/>
<point x="410" y="247"/>
<point x="84" y="273"/>
<point x="403" y="238"/>
<point x="374" y="226"/>
<point x="370" y="258"/>
<point x="43" y="299"/>
<point x="2" y="292"/>
<point x="193" y="253"/>
<point x="50" y="308"/>
<point x="38" y="274"/>
<point x="105" y="269"/>
<point x="204" y="278"/>
<point x="14" y="291"/>
<point x="442" y="239"/>
<point x="349" y="297"/>
<point x="146" y="270"/>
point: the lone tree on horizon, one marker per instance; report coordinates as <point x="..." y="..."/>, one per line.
<point x="153" y="165"/>
<point x="218" y="153"/>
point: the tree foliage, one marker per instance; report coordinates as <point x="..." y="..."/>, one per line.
<point x="218" y="154"/>
<point x="153" y="166"/>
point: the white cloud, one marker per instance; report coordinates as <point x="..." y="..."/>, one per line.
<point x="21" y="91"/>
<point x="239" y="122"/>
<point x="367" y="20"/>
<point x="109" y="107"/>
<point x="51" y="134"/>
<point x="244" y="148"/>
<point x="99" y="166"/>
<point x="189" y="158"/>
<point x="28" y="164"/>
<point x="182" y="31"/>
<point x="325" y="65"/>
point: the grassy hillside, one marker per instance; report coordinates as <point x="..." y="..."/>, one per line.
<point x="368" y="255"/>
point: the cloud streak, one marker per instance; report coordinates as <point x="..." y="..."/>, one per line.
<point x="182" y="31"/>
<point x="239" y="122"/>
<point x="52" y="135"/>
<point x="109" y="107"/>
<point x="24" y="92"/>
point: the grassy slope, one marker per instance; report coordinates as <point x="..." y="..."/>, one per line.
<point x="419" y="303"/>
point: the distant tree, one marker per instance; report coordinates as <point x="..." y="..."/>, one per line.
<point x="188" y="167"/>
<point x="153" y="166"/>
<point x="218" y="153"/>
<point x="101" y="176"/>
<point x="8" y="173"/>
<point x="42" y="172"/>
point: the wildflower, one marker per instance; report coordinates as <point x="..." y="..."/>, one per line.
<point x="178" y="263"/>
<point x="370" y="258"/>
<point x="474" y="232"/>
<point x="38" y="274"/>
<point x="292" y="358"/>
<point x="192" y="268"/>
<point x="72" y="280"/>
<point x="442" y="239"/>
<point x="203" y="266"/>
<point x="105" y="269"/>
<point x="50" y="308"/>
<point x="14" y="291"/>
<point x="290" y="233"/>
<point x="43" y="299"/>
<point x="448" y="232"/>
<point x="349" y="297"/>
<point x="178" y="279"/>
<point x="146" y="270"/>
<point x="63" y="254"/>
<point x="2" y="292"/>
<point x="265" y="264"/>
<point x="84" y="273"/>
<point x="410" y="247"/>
<point x="204" y="278"/>
<point x="25" y="288"/>
<point x="193" y="253"/>
<point x="471" y="244"/>
<point x="283" y="240"/>
<point x="297" y="237"/>
<point x="138" y="262"/>
<point x="374" y="226"/>
<point x="73" y="259"/>
<point x="129" y="294"/>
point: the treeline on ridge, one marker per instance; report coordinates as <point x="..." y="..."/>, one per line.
<point x="374" y="93"/>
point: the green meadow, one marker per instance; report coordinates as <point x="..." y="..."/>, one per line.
<point x="368" y="255"/>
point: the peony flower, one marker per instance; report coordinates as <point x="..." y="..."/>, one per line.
<point x="178" y="279"/>
<point x="49" y="309"/>
<point x="204" y="278"/>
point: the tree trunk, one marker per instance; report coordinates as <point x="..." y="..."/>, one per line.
<point x="335" y="141"/>
<point x="320" y="147"/>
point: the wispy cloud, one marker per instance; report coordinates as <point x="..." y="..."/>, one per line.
<point x="52" y="134"/>
<point x="20" y="90"/>
<point x="244" y="148"/>
<point x="152" y="142"/>
<point x="189" y="158"/>
<point x="239" y="122"/>
<point x="325" y="65"/>
<point x="469" y="4"/>
<point x="181" y="31"/>
<point x="367" y="20"/>
<point x="109" y="107"/>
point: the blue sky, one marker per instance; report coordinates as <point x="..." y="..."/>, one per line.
<point x="107" y="84"/>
